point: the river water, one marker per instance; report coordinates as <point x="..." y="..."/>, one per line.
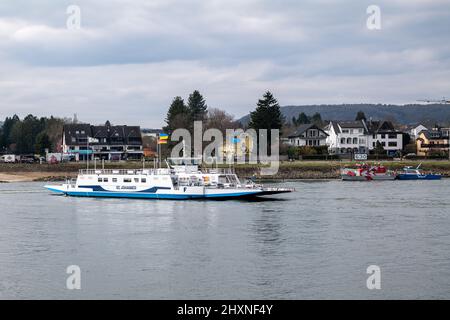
<point x="314" y="243"/>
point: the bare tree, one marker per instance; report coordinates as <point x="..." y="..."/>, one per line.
<point x="220" y="119"/>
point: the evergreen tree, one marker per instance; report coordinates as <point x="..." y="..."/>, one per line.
<point x="379" y="148"/>
<point x="302" y="119"/>
<point x="42" y="142"/>
<point x="6" y="131"/>
<point x="178" y="115"/>
<point x="267" y="115"/>
<point x="197" y="107"/>
<point x="2" y="141"/>
<point x="360" y="116"/>
<point x="316" y="119"/>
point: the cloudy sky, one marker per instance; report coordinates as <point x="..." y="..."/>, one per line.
<point x="130" y="58"/>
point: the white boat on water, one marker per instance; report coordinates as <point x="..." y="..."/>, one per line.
<point x="365" y="172"/>
<point x="181" y="180"/>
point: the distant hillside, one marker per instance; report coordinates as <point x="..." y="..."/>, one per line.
<point x="401" y="114"/>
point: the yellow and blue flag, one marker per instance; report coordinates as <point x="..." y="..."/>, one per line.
<point x="163" y="136"/>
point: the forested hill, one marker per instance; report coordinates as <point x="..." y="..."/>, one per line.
<point x="401" y="114"/>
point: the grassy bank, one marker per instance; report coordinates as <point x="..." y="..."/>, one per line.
<point x="288" y="170"/>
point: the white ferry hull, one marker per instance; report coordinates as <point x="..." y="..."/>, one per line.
<point x="186" y="193"/>
<point x="177" y="182"/>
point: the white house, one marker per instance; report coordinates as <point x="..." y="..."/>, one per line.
<point x="346" y="137"/>
<point x="414" y="133"/>
<point x="384" y="132"/>
<point x="308" y="135"/>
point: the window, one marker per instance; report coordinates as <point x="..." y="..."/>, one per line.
<point x="349" y="140"/>
<point x="392" y="136"/>
<point x="383" y="136"/>
<point x="127" y="180"/>
<point x="100" y="180"/>
<point x="105" y="179"/>
<point x="393" y="144"/>
<point x="355" y="140"/>
<point x="383" y="144"/>
<point x="143" y="180"/>
<point x="345" y="131"/>
<point x="342" y="140"/>
<point x="114" y="179"/>
<point x="362" y="141"/>
<point x="373" y="144"/>
<point x="136" y="180"/>
<point x="83" y="132"/>
<point x="74" y="139"/>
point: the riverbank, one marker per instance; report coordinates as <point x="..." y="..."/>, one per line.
<point x="287" y="170"/>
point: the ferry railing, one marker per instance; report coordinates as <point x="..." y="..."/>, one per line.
<point x="218" y="171"/>
<point x="123" y="172"/>
<point x="147" y="171"/>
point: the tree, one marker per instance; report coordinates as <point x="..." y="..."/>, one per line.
<point x="177" y="116"/>
<point x="316" y="119"/>
<point x="379" y="148"/>
<point x="302" y="119"/>
<point x="42" y="142"/>
<point x="267" y="115"/>
<point x="360" y="116"/>
<point x="219" y="119"/>
<point x="54" y="129"/>
<point x="2" y="141"/>
<point x="197" y="107"/>
<point x="6" y="130"/>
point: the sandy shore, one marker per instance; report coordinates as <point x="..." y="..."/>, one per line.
<point x="33" y="176"/>
<point x="287" y="170"/>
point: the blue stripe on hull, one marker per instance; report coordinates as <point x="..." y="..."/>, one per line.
<point x="100" y="188"/>
<point x="156" y="196"/>
<point x="415" y="177"/>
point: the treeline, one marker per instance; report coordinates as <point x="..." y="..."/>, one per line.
<point x="31" y="135"/>
<point x="302" y="118"/>
<point x="267" y="114"/>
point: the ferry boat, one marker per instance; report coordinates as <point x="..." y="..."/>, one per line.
<point x="364" y="172"/>
<point x="410" y="173"/>
<point x="181" y="180"/>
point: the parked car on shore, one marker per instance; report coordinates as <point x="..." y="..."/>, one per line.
<point x="9" y="158"/>
<point x="27" y="159"/>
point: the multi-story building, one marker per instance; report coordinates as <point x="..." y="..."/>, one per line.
<point x="347" y="137"/>
<point x="384" y="132"/>
<point x="431" y="142"/>
<point x="308" y="135"/>
<point x="416" y="130"/>
<point x="107" y="142"/>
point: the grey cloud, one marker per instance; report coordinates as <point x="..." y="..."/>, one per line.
<point x="140" y="54"/>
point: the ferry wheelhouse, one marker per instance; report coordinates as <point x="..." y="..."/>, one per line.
<point x="182" y="179"/>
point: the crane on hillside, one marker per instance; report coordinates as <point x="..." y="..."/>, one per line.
<point x="441" y="101"/>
